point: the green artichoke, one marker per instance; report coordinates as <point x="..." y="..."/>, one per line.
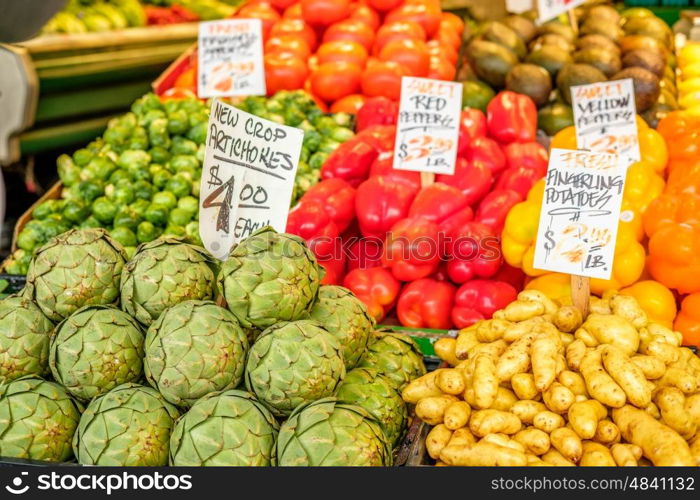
<point x="163" y="273"/>
<point x="269" y="277"/>
<point x="24" y="338"/>
<point x="130" y="425"/>
<point x="375" y="393"/>
<point x="96" y="349"/>
<point x="192" y="349"/>
<point x="346" y="317"/>
<point x="77" y="268"/>
<point x="293" y="363"/>
<point x="37" y="420"/>
<point x="225" y="429"/>
<point x="396" y="356"/>
<point x="330" y="433"/>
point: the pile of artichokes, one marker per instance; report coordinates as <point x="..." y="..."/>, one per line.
<point x="142" y="351"/>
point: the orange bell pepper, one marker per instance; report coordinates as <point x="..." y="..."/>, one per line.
<point x="688" y="320"/>
<point x="556" y="286"/>
<point x="656" y="300"/>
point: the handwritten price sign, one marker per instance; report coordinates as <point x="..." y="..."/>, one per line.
<point x="428" y="126"/>
<point x="605" y="118"/>
<point x="230" y="54"/>
<point x="580" y="213"/>
<point x="247" y="179"/>
<point x="549" y="9"/>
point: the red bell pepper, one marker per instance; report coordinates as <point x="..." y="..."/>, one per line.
<point x="437" y="202"/>
<point x="518" y="179"/>
<point x="334" y="264"/>
<point x="514" y="276"/>
<point x="381" y="137"/>
<point x="479" y="299"/>
<point x="474" y="179"/>
<point x="338" y="197"/>
<point x="376" y="111"/>
<point x="364" y="253"/>
<point x="376" y="287"/>
<point x="311" y="221"/>
<point x="473" y="251"/>
<point x="350" y="161"/>
<point x="531" y="155"/>
<point x="487" y="151"/>
<point x="384" y="165"/>
<point x="495" y="206"/>
<point x="472" y="124"/>
<point x="411" y="249"/>
<point x="379" y="203"/>
<point x="426" y="303"/>
<point x="455" y="221"/>
<point x="511" y="117"/>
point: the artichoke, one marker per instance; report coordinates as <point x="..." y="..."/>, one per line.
<point x="96" y="349"/>
<point x="163" y="273"/>
<point x="37" y="420"/>
<point x="24" y="338"/>
<point x="375" y="393"/>
<point x="293" y="363"/>
<point x="346" y="317"/>
<point x="192" y="349"/>
<point x="225" y="429"/>
<point x="330" y="433"/>
<point x="269" y="277"/>
<point x="77" y="268"/>
<point x="396" y="356"/>
<point x="129" y="425"/>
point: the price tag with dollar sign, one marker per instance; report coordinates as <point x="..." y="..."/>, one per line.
<point x="427" y="131"/>
<point x="580" y="213"/>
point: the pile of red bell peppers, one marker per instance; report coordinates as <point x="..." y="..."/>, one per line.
<point x="432" y="252"/>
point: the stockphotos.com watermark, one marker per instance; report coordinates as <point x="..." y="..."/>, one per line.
<point x="100" y="483"/>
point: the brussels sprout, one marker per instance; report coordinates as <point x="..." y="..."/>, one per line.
<point x="157" y="214"/>
<point x="89" y="191"/>
<point x="325" y="124"/>
<point x="54" y="225"/>
<point x="143" y="190"/>
<point x="192" y="233"/>
<point x="184" y="162"/>
<point x="159" y="155"/>
<point x="317" y="160"/>
<point x="121" y="195"/>
<point x="138" y="140"/>
<point x="179" y="185"/>
<point x="179" y="217"/>
<point x="328" y="145"/>
<point x="46" y="208"/>
<point x="173" y="230"/>
<point x="146" y="232"/>
<point x="126" y="217"/>
<point x="161" y="178"/>
<point x="119" y="175"/>
<point x="134" y="159"/>
<point x="82" y="157"/>
<point x="153" y="115"/>
<point x="342" y="134"/>
<point x="182" y="146"/>
<point x="76" y="210"/>
<point x="30" y="238"/>
<point x="90" y="222"/>
<point x="312" y="140"/>
<point x="104" y="210"/>
<point x="178" y="122"/>
<point x="189" y="203"/>
<point x="130" y="251"/>
<point x="139" y="174"/>
<point x="116" y="136"/>
<point x="198" y="133"/>
<point x="146" y="103"/>
<point x="124" y="235"/>
<point x="165" y="198"/>
<point x="158" y="132"/>
<point x="68" y="171"/>
<point x="139" y="207"/>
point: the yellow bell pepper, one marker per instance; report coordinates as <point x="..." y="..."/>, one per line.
<point x="652" y="148"/>
<point x="642" y="186"/>
<point x="556" y="286"/>
<point x="657" y="300"/>
<point x="564" y="139"/>
<point x="520" y="231"/>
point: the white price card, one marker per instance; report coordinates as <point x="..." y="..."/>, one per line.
<point x="549" y="9"/>
<point x="427" y="131"/>
<point x="247" y="177"/>
<point x="580" y="213"/>
<point x="605" y="118"/>
<point x="230" y="57"/>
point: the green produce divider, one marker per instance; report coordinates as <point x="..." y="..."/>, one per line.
<point x="424" y="337"/>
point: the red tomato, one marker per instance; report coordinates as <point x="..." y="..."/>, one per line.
<point x="384" y="5"/>
<point x="313" y="63"/>
<point x="452" y="20"/>
<point x="295" y="27"/>
<point x="289" y="44"/>
<point x="324" y="12"/>
<point x="341" y="50"/>
<point x="446" y="36"/>
<point x="396" y="31"/>
<point x="383" y="78"/>
<point x="282" y="4"/>
<point x="348" y="104"/>
<point x="284" y="72"/>
<point x="425" y="14"/>
<point x="413" y="54"/>
<point x="263" y="11"/>
<point x="293" y="11"/>
<point x="441" y="69"/>
<point x="443" y="51"/>
<point x="335" y="80"/>
<point x="353" y="30"/>
<point x="365" y="14"/>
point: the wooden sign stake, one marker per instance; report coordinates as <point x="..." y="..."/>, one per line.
<point x="580" y="293"/>
<point x="427" y="179"/>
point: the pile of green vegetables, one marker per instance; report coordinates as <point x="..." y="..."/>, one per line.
<point x="82" y="16"/>
<point x="140" y="180"/>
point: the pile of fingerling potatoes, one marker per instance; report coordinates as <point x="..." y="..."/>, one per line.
<point x="540" y="385"/>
